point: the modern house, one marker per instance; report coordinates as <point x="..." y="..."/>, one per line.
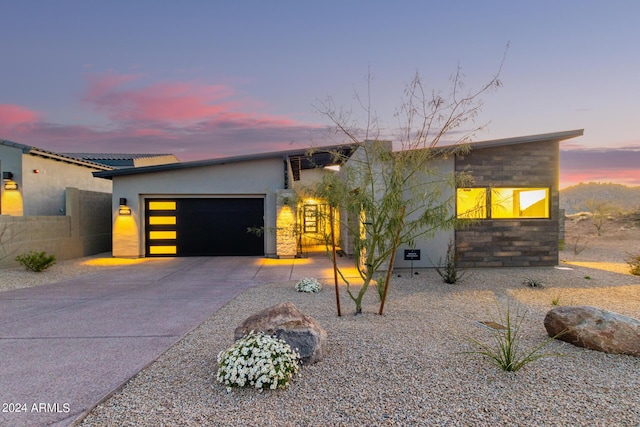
<point x="52" y="202"/>
<point x="35" y="180"/>
<point x="206" y="207"/>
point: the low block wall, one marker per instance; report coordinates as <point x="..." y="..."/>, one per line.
<point x="85" y="230"/>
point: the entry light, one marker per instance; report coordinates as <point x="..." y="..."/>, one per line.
<point x="124" y="209"/>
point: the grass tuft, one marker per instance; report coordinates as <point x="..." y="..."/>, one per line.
<point x="533" y="283"/>
<point x="506" y="349"/>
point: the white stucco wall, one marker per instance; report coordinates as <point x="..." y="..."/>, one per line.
<point x="309" y="177"/>
<point x="44" y="192"/>
<point x="254" y="178"/>
<point x="433" y="247"/>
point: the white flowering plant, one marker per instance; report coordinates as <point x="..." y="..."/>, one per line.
<point x="257" y="360"/>
<point x="307" y="284"/>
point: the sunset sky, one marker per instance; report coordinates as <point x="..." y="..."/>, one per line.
<point x="204" y="79"/>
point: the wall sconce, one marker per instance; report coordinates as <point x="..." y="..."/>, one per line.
<point x="7" y="176"/>
<point x="10" y="185"/>
<point x="124" y="209"/>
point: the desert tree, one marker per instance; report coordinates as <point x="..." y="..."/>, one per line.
<point x="600" y="211"/>
<point x="388" y="197"/>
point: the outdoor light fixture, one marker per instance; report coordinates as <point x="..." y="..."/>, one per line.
<point x="124" y="209"/>
<point x="10" y="185"/>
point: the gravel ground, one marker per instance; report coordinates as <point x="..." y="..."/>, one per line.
<point x="403" y="368"/>
<point x="406" y="368"/>
<point x="18" y="277"/>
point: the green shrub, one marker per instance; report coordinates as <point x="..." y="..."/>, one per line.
<point x="506" y="351"/>
<point x="634" y="264"/>
<point x="451" y="273"/>
<point x="36" y="261"/>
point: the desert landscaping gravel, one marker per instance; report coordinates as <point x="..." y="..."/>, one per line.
<point x="404" y="368"/>
<point x="407" y="367"/>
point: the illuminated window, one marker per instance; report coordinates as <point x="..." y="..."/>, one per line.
<point x="162" y="206"/>
<point x="471" y="203"/>
<point x="162" y="220"/>
<point x="519" y="203"/>
<point x="160" y="235"/>
<point x="162" y="250"/>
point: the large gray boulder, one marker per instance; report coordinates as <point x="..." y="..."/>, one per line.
<point x="595" y="329"/>
<point x="286" y="322"/>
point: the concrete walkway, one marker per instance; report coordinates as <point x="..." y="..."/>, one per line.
<point x="66" y="346"/>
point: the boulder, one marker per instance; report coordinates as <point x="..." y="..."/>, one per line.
<point x="595" y="329"/>
<point x="286" y="322"/>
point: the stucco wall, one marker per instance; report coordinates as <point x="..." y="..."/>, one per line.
<point x="518" y="242"/>
<point x="255" y="178"/>
<point x="44" y="192"/>
<point x="86" y="230"/>
<point x="433" y="245"/>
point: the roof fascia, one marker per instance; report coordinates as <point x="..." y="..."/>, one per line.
<point x="27" y="149"/>
<point x="554" y="136"/>
<point x="70" y="160"/>
<point x="210" y="162"/>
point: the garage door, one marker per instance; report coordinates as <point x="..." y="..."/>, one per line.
<point x="203" y="227"/>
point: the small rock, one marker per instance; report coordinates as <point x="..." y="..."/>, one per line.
<point x="595" y="329"/>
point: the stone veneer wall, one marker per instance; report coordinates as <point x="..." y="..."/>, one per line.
<point x="512" y="242"/>
<point x="85" y="230"/>
<point x="286" y="225"/>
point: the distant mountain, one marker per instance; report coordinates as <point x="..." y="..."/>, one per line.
<point x="576" y="198"/>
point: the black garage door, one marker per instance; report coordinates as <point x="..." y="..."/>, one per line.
<point x="203" y="227"/>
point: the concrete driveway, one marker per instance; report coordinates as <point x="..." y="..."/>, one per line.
<point x="66" y="346"/>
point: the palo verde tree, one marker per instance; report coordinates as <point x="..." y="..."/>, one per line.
<point x="381" y="193"/>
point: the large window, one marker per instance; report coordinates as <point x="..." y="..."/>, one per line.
<point x="471" y="203"/>
<point x="504" y="203"/>
<point x="519" y="203"/>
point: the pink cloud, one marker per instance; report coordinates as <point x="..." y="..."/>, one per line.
<point x="151" y="132"/>
<point x="618" y="165"/>
<point x="15" y="116"/>
<point x="630" y="177"/>
<point x="175" y="102"/>
<point x="192" y="120"/>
